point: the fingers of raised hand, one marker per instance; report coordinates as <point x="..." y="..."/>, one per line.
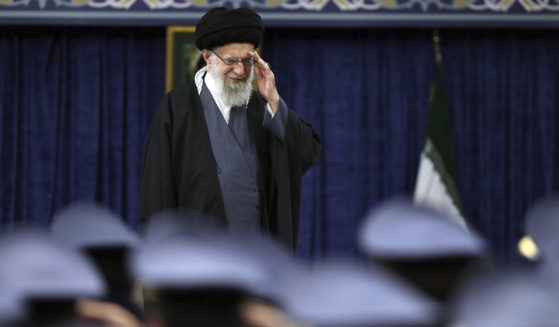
<point x="264" y="66"/>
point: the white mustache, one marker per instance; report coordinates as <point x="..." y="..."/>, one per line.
<point x="235" y="76"/>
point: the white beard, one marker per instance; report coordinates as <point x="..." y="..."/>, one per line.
<point x="232" y="94"/>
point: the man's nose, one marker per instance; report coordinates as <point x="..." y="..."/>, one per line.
<point x="239" y="68"/>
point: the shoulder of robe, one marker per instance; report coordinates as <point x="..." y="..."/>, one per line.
<point x="181" y="99"/>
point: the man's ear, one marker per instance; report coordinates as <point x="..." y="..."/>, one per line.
<point x="206" y="54"/>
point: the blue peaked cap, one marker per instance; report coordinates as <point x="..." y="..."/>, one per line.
<point x="186" y="263"/>
<point x="507" y="298"/>
<point x="87" y="225"/>
<point x="402" y="230"/>
<point x="36" y="266"/>
<point x="340" y="294"/>
<point x="542" y="223"/>
<point x="184" y="223"/>
<point x="12" y="308"/>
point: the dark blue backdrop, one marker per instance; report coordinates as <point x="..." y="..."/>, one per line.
<point x="76" y="104"/>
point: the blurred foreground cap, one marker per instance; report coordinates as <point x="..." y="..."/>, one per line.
<point x="36" y="266"/>
<point x="341" y="294"/>
<point x="511" y="298"/>
<point x="184" y="223"/>
<point x="542" y="224"/>
<point x="402" y="230"/>
<point x="12" y="308"/>
<point x="190" y="264"/>
<point x="87" y="225"/>
<point x="271" y="256"/>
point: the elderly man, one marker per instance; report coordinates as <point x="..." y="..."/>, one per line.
<point x="219" y="147"/>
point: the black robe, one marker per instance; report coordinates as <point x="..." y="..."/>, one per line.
<point x="179" y="169"/>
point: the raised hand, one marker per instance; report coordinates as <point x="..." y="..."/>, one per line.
<point x="266" y="81"/>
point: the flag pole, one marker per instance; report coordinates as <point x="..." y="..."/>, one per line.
<point x="436" y="45"/>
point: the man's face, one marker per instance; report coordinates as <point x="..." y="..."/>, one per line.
<point x="234" y="80"/>
<point x="236" y="73"/>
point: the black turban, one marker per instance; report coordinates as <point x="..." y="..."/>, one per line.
<point x="220" y="26"/>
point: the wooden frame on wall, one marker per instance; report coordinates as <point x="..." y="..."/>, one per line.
<point x="182" y="57"/>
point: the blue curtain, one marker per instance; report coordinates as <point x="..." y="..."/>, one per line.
<point x="75" y="107"/>
<point x="76" y="104"/>
<point x="367" y="94"/>
<point x="502" y="89"/>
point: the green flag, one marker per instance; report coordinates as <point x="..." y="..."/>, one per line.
<point x="436" y="183"/>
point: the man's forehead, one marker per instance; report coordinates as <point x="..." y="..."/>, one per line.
<point x="235" y="47"/>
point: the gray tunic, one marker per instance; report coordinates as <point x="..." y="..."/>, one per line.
<point x="237" y="166"/>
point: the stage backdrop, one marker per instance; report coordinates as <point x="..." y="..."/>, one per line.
<point x="76" y="103"/>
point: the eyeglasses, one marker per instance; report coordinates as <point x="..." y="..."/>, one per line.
<point x="232" y="61"/>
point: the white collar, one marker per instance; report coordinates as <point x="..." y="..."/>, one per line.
<point x="201" y="78"/>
